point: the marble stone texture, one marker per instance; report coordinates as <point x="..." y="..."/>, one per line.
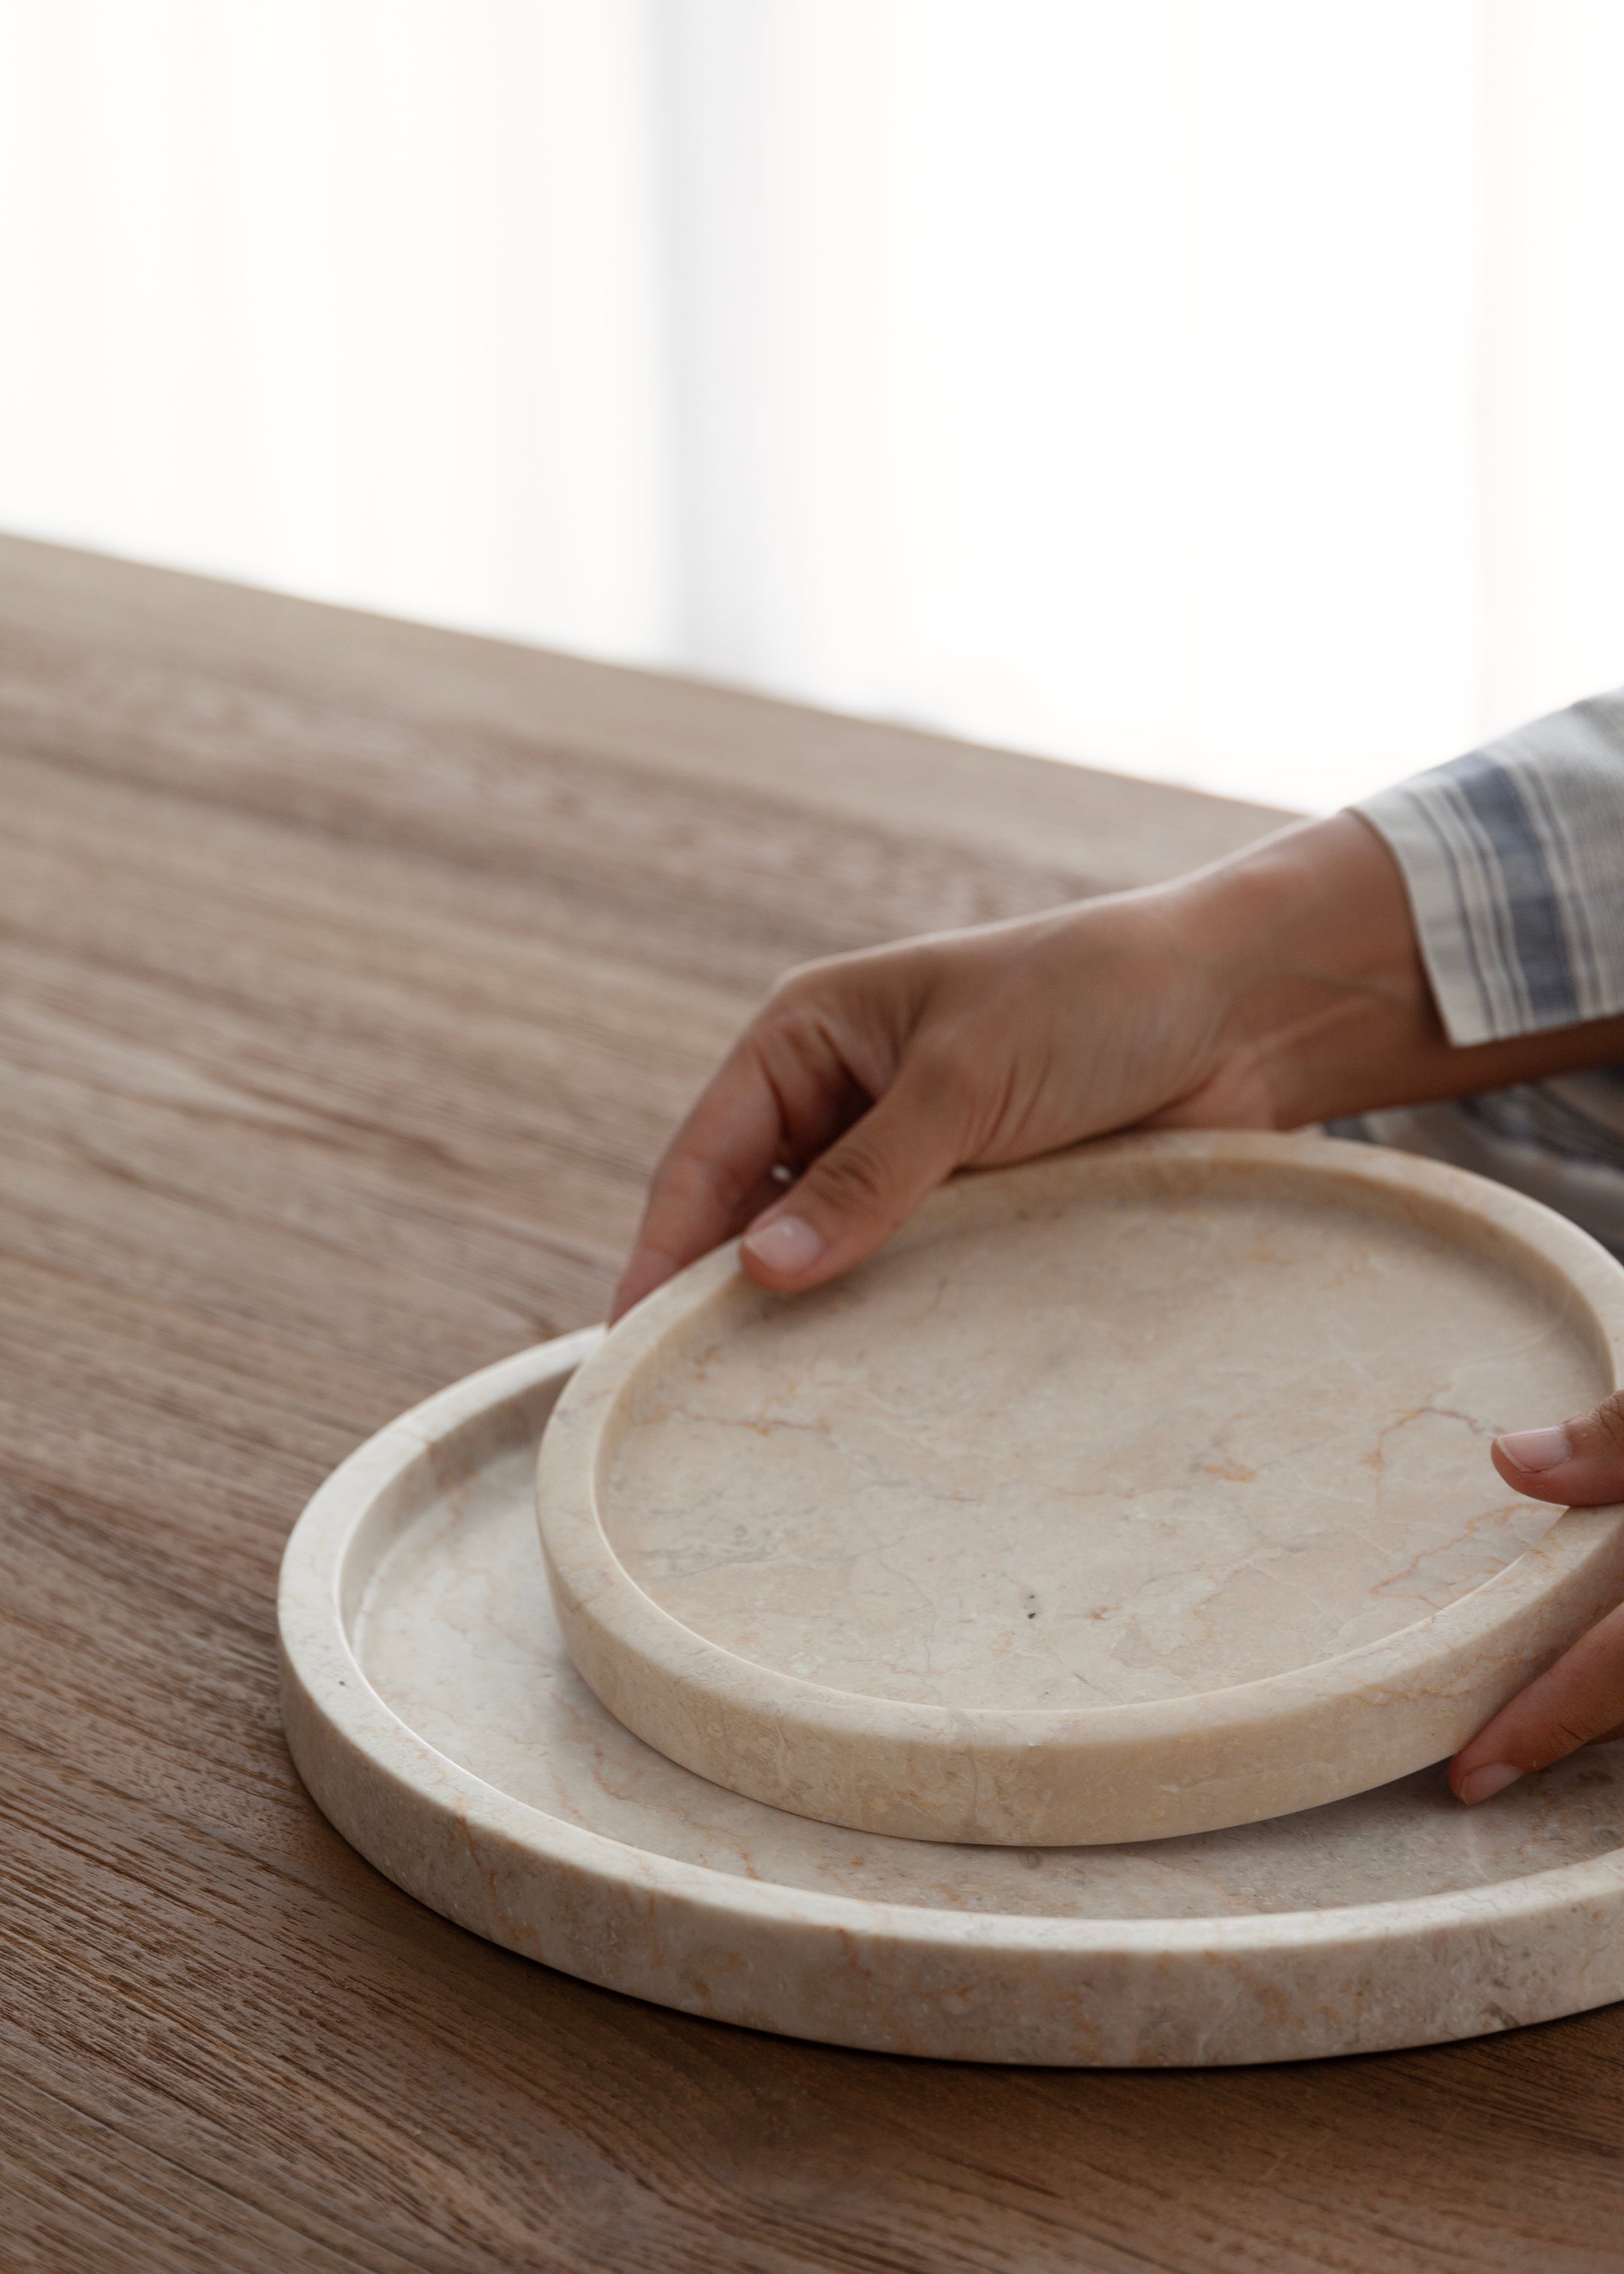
<point x="1132" y="1493"/>
<point x="434" y="1714"/>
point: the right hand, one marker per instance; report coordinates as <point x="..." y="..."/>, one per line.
<point x="869" y="1078"/>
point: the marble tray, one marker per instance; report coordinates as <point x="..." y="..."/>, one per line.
<point x="1138" y="1492"/>
<point x="434" y="1713"/>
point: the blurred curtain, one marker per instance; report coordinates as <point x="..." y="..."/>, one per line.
<point x="1225" y="389"/>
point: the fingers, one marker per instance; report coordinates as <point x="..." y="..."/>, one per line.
<point x="787" y="1088"/>
<point x="715" y="1174"/>
<point x="856" y="1194"/>
<point x="1576" y="1701"/>
<point x="1579" y="1463"/>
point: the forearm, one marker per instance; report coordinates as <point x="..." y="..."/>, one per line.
<point x="1331" y="1011"/>
<point x="1287" y="986"/>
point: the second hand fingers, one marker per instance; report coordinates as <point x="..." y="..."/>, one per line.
<point x="1574" y="1703"/>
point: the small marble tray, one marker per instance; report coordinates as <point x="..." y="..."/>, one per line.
<point x="1139" y="1492"/>
<point x="434" y="1713"/>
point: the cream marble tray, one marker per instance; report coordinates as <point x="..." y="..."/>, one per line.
<point x="1138" y="1492"/>
<point x="434" y="1713"/>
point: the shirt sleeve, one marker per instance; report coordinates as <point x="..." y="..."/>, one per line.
<point x="1513" y="859"/>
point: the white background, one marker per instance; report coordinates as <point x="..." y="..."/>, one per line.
<point x="1231" y="390"/>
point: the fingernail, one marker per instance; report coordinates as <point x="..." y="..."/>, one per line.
<point x="1537" y="1449"/>
<point x="1483" y="1784"/>
<point x="786" y="1244"/>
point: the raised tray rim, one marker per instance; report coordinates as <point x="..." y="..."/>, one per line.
<point x="1032" y="1776"/>
<point x="1238" y="1988"/>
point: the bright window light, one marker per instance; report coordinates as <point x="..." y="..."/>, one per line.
<point x="1224" y="390"/>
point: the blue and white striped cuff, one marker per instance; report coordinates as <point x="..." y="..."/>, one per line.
<point x="1514" y="858"/>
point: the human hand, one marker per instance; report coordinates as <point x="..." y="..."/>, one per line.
<point x="1266" y="993"/>
<point x="1580" y="1698"/>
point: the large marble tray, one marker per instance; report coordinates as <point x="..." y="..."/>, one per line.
<point x="434" y="1713"/>
<point x="1138" y="1492"/>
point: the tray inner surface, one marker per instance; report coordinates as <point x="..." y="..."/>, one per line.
<point x="455" y="1629"/>
<point x="1120" y="1449"/>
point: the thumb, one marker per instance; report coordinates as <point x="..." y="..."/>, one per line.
<point x="856" y="1194"/>
<point x="1579" y="1463"/>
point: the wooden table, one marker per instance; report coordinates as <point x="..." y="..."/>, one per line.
<point x="354" y="974"/>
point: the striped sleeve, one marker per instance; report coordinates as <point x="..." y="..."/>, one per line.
<point x="1514" y="858"/>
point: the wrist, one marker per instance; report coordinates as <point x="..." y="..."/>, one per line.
<point x="1325" y="1005"/>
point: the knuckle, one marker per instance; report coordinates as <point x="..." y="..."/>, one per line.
<point x="1581" y="1711"/>
<point x="797" y="1016"/>
<point x="1609" y="1417"/>
<point x="791" y="989"/>
<point x="1562" y="1736"/>
<point x="808" y="986"/>
<point x="853" y="1179"/>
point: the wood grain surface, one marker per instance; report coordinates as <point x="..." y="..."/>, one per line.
<point x="354" y="974"/>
